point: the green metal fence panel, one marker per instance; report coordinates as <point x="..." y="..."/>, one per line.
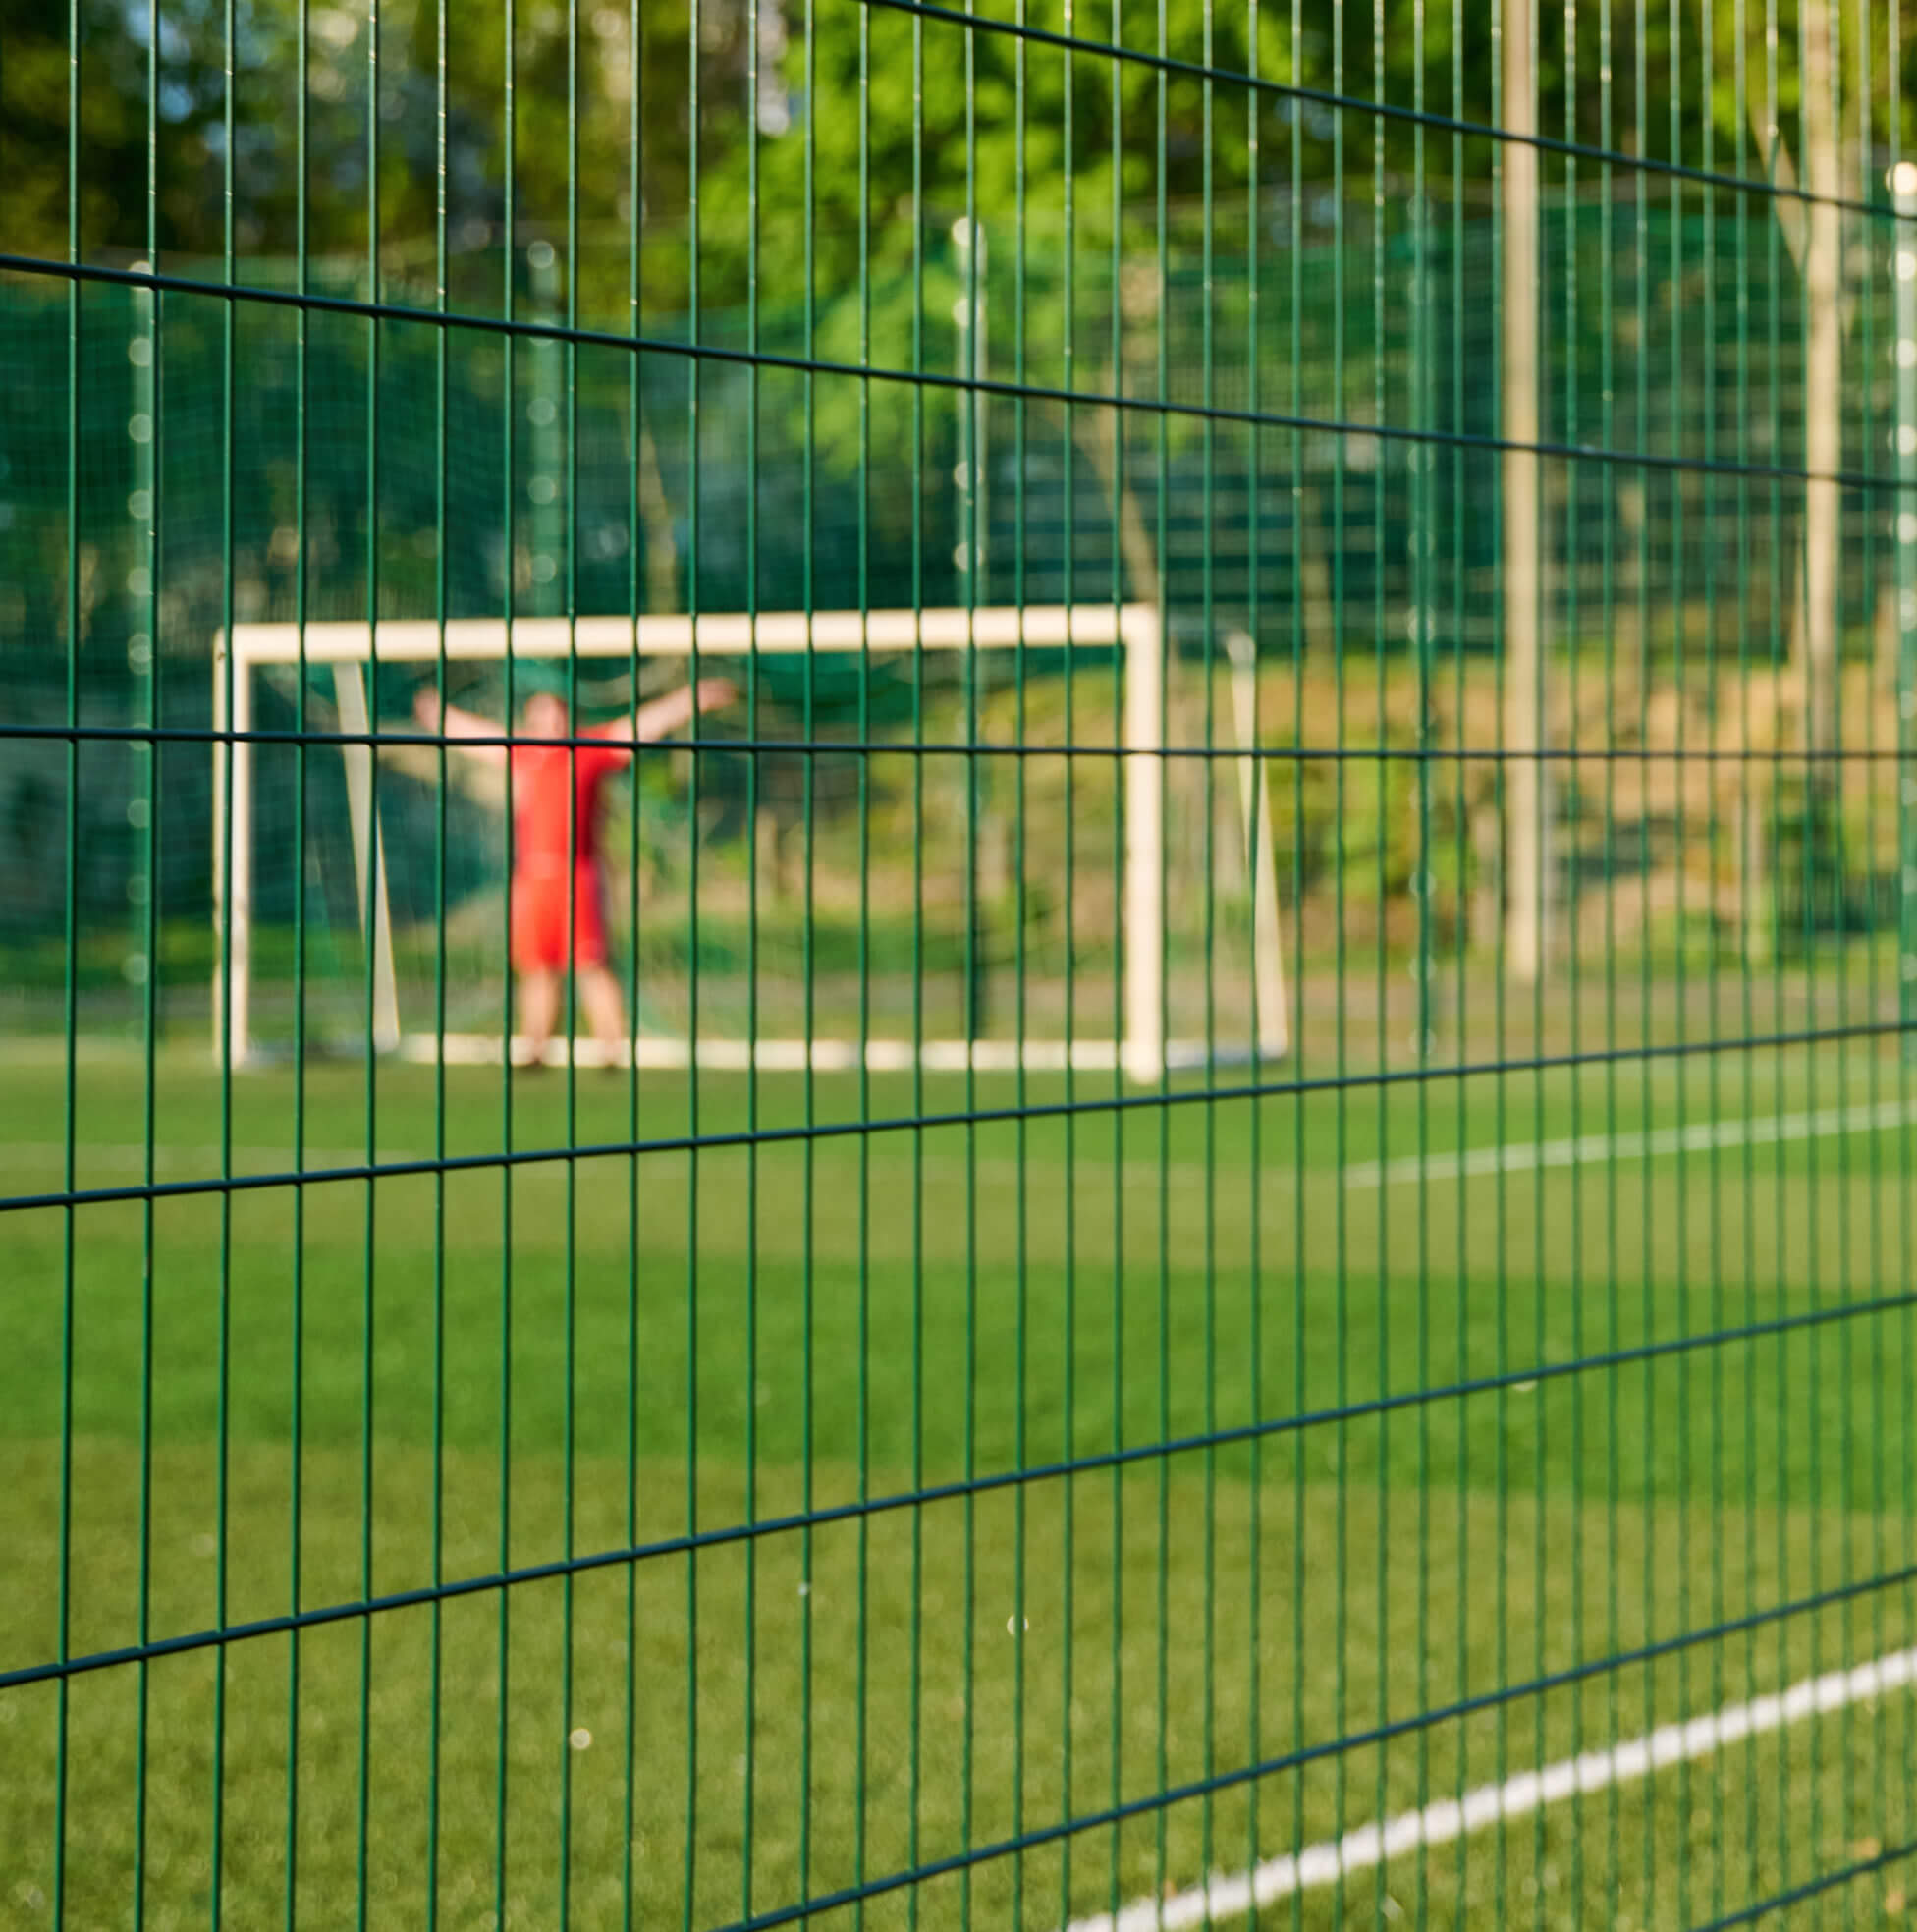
<point x="1054" y="872"/>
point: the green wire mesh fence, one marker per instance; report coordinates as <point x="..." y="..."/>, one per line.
<point x="1198" y="1208"/>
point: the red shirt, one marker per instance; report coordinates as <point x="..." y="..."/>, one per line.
<point x="555" y="804"/>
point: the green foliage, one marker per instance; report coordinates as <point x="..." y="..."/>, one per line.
<point x="945" y="122"/>
<point x="364" y="155"/>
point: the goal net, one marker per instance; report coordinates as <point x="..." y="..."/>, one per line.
<point x="994" y="838"/>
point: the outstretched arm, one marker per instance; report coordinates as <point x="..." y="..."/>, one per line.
<point x="665" y="715"/>
<point x="446" y="720"/>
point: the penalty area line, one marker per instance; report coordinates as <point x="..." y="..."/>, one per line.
<point x="1527" y="1156"/>
<point x="1446" y="1820"/>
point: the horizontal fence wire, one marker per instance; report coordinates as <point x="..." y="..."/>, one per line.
<point x="1149" y="1454"/>
<point x="983" y="747"/>
<point x="1149" y="407"/>
<point x="1077" y="1108"/>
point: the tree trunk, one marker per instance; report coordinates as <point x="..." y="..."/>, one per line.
<point x="1135" y="547"/>
<point x="655" y="514"/>
<point x="1314" y="584"/>
<point x="1526" y="812"/>
<point x="1823" y="394"/>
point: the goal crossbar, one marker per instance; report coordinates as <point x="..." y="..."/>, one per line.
<point x="723" y="634"/>
<point x="349" y="649"/>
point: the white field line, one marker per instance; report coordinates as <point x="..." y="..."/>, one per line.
<point x="1442" y="1822"/>
<point x="1525" y="1156"/>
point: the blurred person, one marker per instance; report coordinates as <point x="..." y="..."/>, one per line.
<point x="558" y="795"/>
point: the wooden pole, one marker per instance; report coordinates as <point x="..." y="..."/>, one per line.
<point x="1823" y="391"/>
<point x="1271" y="1029"/>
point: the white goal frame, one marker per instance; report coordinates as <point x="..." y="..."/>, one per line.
<point x="349" y="649"/>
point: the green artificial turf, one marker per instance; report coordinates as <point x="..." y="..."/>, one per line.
<point x="1475" y="1432"/>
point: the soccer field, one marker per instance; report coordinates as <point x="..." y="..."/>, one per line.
<point x="958" y="965"/>
<point x="988" y="1478"/>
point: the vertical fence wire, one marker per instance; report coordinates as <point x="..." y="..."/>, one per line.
<point x="442" y="1223"/>
<point x="1517" y="1547"/>
<point x="70" y="1014"/>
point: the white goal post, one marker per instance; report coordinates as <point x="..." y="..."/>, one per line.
<point x="349" y="649"/>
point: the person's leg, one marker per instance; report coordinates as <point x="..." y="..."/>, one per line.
<point x="538" y="1010"/>
<point x="605" y="1010"/>
<point x="538" y="957"/>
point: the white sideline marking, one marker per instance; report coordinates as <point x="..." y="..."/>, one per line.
<point x="1235" y="1895"/>
<point x="1525" y="1156"/>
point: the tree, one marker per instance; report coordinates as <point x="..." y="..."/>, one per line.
<point x="108" y="197"/>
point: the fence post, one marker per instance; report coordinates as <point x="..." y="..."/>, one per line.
<point x="143" y="637"/>
<point x="1526" y="787"/>
<point x="1143" y="1051"/>
<point x="968" y="314"/>
<point x="547" y="446"/>
<point x="1903" y="185"/>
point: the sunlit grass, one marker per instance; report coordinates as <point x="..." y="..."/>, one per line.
<point x="1656" y="1404"/>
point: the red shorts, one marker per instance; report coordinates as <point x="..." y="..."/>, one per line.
<point x="540" y="905"/>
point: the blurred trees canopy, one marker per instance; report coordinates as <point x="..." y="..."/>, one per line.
<point x="782" y="91"/>
<point x="788" y="172"/>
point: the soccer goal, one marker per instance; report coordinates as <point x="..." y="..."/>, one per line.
<point x="1126" y="894"/>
